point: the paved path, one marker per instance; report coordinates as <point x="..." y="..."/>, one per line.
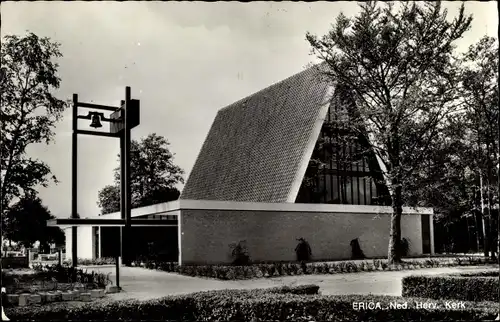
<point x="140" y="283"/>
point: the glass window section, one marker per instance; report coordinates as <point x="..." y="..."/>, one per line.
<point x="346" y="177"/>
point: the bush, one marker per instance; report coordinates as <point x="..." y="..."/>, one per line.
<point x="356" y="252"/>
<point x="276" y="304"/>
<point x="404" y="247"/>
<point x="70" y="274"/>
<point x="487" y="273"/>
<point x="97" y="261"/>
<point x="239" y="253"/>
<point x="453" y="286"/>
<point x="231" y="272"/>
<point x="303" y="250"/>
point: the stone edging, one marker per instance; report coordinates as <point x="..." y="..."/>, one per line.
<point x="78" y="294"/>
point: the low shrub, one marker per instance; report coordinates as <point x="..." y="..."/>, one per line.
<point x="403" y="247"/>
<point x="259" y="270"/>
<point x="487" y="273"/>
<point x="275" y="304"/>
<point x="69" y="274"/>
<point x="96" y="261"/>
<point x="303" y="250"/>
<point x="239" y="253"/>
<point x="356" y="252"/>
<point x="453" y="286"/>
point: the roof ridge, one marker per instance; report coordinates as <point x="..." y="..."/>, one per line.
<point x="307" y="69"/>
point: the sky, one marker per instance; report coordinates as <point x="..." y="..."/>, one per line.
<point x="183" y="60"/>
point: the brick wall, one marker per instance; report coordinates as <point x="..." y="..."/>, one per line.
<point x="271" y="235"/>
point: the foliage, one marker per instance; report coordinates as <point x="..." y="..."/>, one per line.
<point x="97" y="261"/>
<point x="485" y="273"/>
<point x="28" y="112"/>
<point x="232" y="272"/>
<point x="15" y="262"/>
<point x="397" y="77"/>
<point x="467" y="288"/>
<point x="356" y="252"/>
<point x="239" y="253"/>
<point x="70" y="274"/>
<point x="27" y="223"/>
<point x="461" y="172"/>
<point x="256" y="305"/>
<point x="153" y="176"/>
<point x="404" y="247"/>
<point x="303" y="250"/>
<point x="480" y="91"/>
<point x="53" y="278"/>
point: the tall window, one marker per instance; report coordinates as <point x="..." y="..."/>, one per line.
<point x="342" y="170"/>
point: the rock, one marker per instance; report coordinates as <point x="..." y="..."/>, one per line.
<point x="67" y="296"/>
<point x="112" y="289"/>
<point x="85" y="297"/>
<point x="51" y="297"/>
<point x="35" y="299"/>
<point x="75" y="295"/>
<point x="13" y="299"/>
<point x="23" y="299"/>
<point x="97" y="293"/>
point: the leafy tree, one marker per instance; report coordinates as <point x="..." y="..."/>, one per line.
<point x="28" y="113"/>
<point x="26" y="223"/>
<point x="153" y="176"/>
<point x="480" y="91"/>
<point x="399" y="69"/>
<point x="460" y="174"/>
<point x="109" y="199"/>
<point x="446" y="181"/>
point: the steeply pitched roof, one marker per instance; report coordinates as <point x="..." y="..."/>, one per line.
<point x="258" y="148"/>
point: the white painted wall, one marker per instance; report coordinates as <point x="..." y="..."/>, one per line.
<point x="205" y="235"/>
<point x="85" y="242"/>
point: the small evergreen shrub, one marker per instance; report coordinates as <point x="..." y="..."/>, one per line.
<point x="239" y="253"/>
<point x="303" y="250"/>
<point x="356" y="252"/>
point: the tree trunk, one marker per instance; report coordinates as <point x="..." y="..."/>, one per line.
<point x="394" y="253"/>
<point x="485" y="234"/>
<point x="476" y="227"/>
<point x="395" y="233"/>
<point x="469" y="247"/>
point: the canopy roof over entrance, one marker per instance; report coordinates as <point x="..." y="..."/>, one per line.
<point x="69" y="222"/>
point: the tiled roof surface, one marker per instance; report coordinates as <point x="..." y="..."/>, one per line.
<point x="255" y="146"/>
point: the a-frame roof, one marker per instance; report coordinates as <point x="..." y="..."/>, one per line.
<point x="258" y="148"/>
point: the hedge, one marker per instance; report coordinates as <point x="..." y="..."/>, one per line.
<point x="91" y="262"/>
<point x="485" y="273"/>
<point x="276" y="304"/>
<point x="229" y="272"/>
<point x="468" y="286"/>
